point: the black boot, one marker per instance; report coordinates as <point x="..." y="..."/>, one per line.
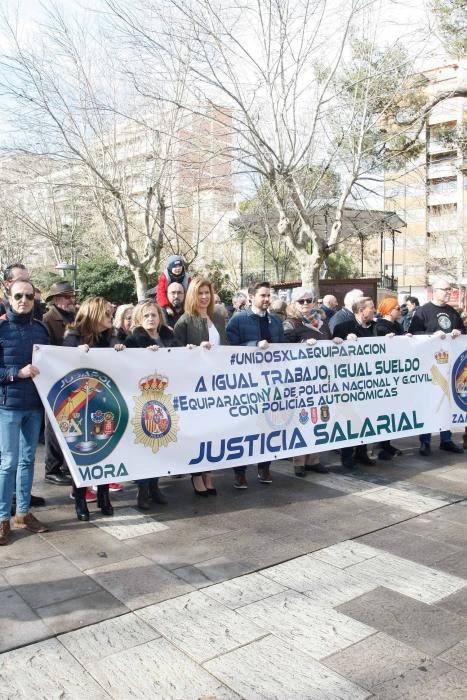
<point x="143" y="499"/>
<point x="156" y="494"/>
<point x="103" y="500"/>
<point x="81" y="505"/>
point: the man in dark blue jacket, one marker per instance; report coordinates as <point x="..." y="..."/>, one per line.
<point x="255" y="327"/>
<point x="20" y="408"/>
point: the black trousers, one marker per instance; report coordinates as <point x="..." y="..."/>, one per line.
<point x="348" y="451"/>
<point x="54" y="459"/>
<point x="242" y="470"/>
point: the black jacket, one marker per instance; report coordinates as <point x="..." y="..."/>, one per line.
<point x="342" y="330"/>
<point x="140" y="338"/>
<point x="297" y="332"/>
<point x="107" y="339"/>
<point x="383" y="327"/>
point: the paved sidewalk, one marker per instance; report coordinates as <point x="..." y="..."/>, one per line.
<point x="347" y="585"/>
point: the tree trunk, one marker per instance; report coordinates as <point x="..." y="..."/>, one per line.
<point x="141" y="280"/>
<point x="309" y="274"/>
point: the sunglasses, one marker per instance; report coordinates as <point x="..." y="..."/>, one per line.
<point x="444" y="289"/>
<point x="17" y="296"/>
<point x="305" y="301"/>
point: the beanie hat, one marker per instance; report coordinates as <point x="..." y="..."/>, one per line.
<point x="175" y="261"/>
<point x="387" y="305"/>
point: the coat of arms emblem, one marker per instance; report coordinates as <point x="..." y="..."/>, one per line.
<point x="155" y="421"/>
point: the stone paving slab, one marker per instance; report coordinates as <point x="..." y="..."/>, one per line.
<point x="385" y="658"/>
<point x="273" y="669"/>
<point x="251" y="594"/>
<point x="428" y="628"/>
<point x="138" y="582"/>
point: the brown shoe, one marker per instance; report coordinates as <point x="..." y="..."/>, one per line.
<point x="4" y="532"/>
<point x="30" y="522"/>
<point x="264" y="475"/>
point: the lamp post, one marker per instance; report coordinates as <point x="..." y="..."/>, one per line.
<point x="72" y="267"/>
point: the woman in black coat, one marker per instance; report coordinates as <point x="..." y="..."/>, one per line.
<point x="149" y="331"/>
<point x="305" y="324"/>
<point x="92" y="328"/>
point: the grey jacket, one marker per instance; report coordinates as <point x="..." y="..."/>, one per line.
<point x="193" y="330"/>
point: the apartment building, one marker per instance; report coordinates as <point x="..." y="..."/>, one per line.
<point x="430" y="195"/>
<point x="187" y="161"/>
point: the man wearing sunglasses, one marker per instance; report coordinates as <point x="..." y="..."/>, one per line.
<point x="12" y="273"/>
<point x="437" y="317"/>
<point x="20" y="408"/>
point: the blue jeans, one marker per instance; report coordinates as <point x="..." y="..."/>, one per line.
<point x="19" y="433"/>
<point x="444" y="436"/>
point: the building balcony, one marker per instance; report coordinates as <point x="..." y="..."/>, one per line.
<point x="442" y="169"/>
<point x="436" y="198"/>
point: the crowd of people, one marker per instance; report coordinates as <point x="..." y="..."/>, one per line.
<point x="179" y="311"/>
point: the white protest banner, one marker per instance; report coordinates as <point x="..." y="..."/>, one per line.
<point x="137" y="414"/>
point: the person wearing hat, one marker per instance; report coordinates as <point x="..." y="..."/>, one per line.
<point x="175" y="272"/>
<point x="61" y="297"/>
<point x="61" y="313"/>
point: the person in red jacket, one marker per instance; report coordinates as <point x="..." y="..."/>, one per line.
<point x="175" y="272"/>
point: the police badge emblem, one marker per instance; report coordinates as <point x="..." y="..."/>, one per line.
<point x="155" y="422"/>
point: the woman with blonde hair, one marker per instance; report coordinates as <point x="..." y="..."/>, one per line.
<point x="204" y="325"/>
<point x="149" y="331"/>
<point x="122" y="321"/>
<point x="92" y="328"/>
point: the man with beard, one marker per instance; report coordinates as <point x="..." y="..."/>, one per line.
<point x="176" y="298"/>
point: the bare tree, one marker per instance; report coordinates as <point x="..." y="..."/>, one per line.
<point x="306" y="92"/>
<point x="68" y="93"/>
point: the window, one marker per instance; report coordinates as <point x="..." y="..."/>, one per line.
<point x="442" y="185"/>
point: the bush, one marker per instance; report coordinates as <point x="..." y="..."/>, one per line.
<point x="101" y="277"/>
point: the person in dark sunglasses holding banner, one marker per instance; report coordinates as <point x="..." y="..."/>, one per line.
<point x="20" y="408"/>
<point x="305" y="324"/>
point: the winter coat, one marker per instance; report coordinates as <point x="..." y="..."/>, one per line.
<point x="56" y="321"/>
<point x="383" y="326"/>
<point x="193" y="330"/>
<point x="18" y="335"/>
<point x="296" y="331"/>
<point x="167" y="278"/>
<point x="107" y="339"/>
<point x="140" y="338"/>
<point x="244" y="329"/>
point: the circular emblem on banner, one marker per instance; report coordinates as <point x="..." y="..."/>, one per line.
<point x="91" y="413"/>
<point x="155" y="419"/>
<point x="459" y="381"/>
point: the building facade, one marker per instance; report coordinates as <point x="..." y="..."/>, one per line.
<point x="430" y="195"/>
